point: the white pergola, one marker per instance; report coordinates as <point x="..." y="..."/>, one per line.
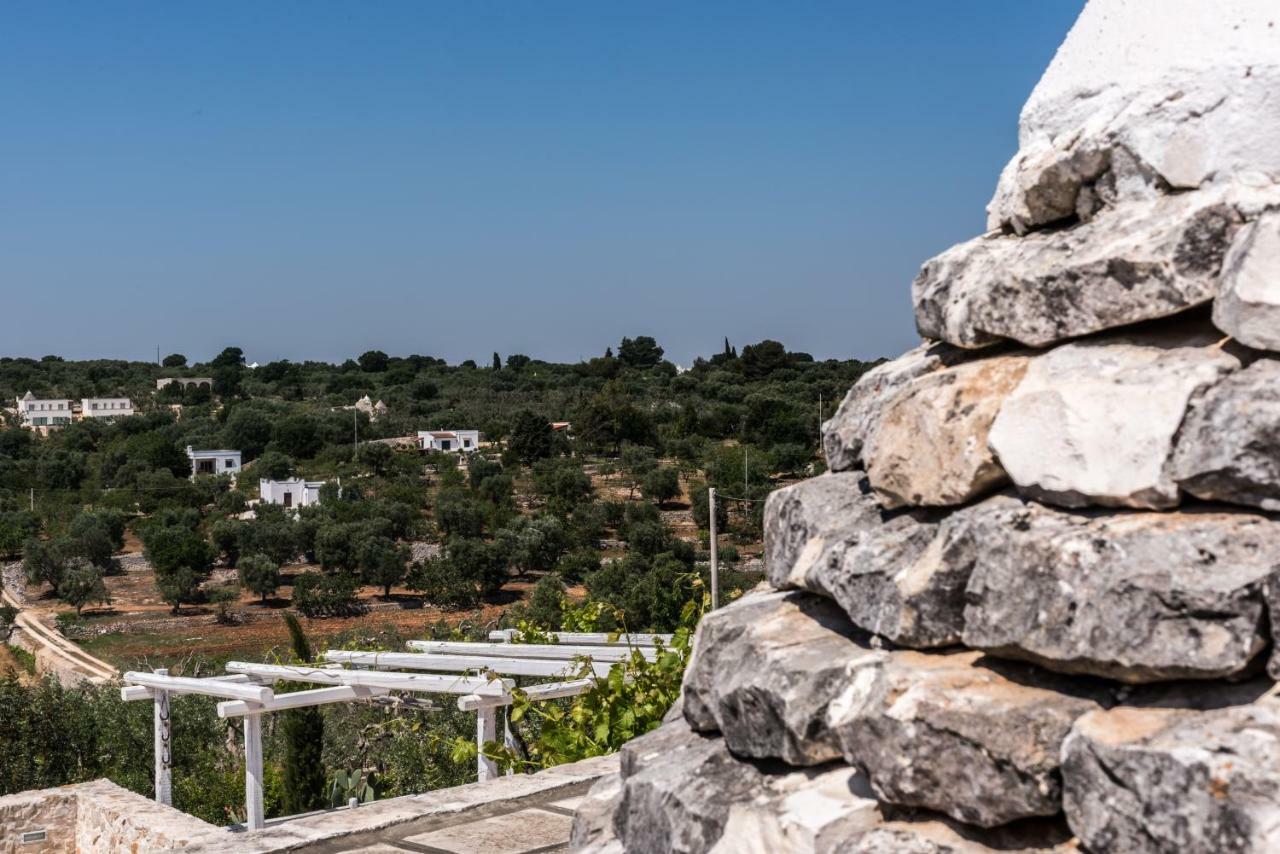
<point x="477" y="673"/>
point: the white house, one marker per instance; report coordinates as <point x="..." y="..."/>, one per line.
<point x="214" y="462"/>
<point x="41" y="414"/>
<point x="294" y="492"/>
<point x="105" y="407"/>
<point x="449" y="440"/>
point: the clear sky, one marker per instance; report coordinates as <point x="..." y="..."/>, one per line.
<point x="315" y="179"/>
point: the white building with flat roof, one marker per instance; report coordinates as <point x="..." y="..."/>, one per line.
<point x="105" y="407"/>
<point x="293" y="492"/>
<point x="42" y="413"/>
<point x="214" y="462"/>
<point x="449" y="441"/>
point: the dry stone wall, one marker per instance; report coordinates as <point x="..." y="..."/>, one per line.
<point x="1034" y="604"/>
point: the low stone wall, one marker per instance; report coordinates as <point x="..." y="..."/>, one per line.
<point x="96" y="816"/>
<point x="52" y="811"/>
<point x="103" y="817"/>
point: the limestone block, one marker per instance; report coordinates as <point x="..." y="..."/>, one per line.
<point x="901" y="576"/>
<point x="931" y="439"/>
<point x="1229" y="445"/>
<point x="1140" y="261"/>
<point x="1134" y="596"/>
<point x="1181" y="780"/>
<point x="1094" y="422"/>
<point x="686" y="793"/>
<point x="945" y="732"/>
<point x="1248" y="302"/>
<point x="764" y="670"/>
<point x="848" y="435"/>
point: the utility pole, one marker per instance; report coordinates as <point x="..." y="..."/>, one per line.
<point x="715" y="554"/>
<point x="744" y="471"/>
<point x="355" y="434"/>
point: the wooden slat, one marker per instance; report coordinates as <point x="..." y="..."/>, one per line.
<point x="549" y="651"/>
<point x="207" y="687"/>
<point x="461" y="663"/>
<point x="545" y="691"/>
<point x="590" y="638"/>
<point x="434" y="683"/>
<point x="301" y="699"/>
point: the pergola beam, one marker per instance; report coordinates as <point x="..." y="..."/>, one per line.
<point x="207" y="687"/>
<point x="546" y="691"/>
<point x="460" y="663"/>
<point x="130" y="693"/>
<point x="589" y="638"/>
<point x="551" y="651"/>
<point x="300" y="699"/>
<point x="432" y="683"/>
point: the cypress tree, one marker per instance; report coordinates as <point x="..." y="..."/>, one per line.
<point x="303" y="730"/>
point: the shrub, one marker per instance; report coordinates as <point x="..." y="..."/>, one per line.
<point x="319" y="594"/>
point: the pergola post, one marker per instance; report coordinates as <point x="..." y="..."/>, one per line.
<point x="253" y="771"/>
<point x="486" y="730"/>
<point x="163" y="744"/>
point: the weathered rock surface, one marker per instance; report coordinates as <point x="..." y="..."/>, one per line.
<point x="931" y="438"/>
<point x="1094" y="422"/>
<point x="901" y="576"/>
<point x="683" y="792"/>
<point x="936" y="836"/>
<point x="1182" y="99"/>
<point x="1176" y="780"/>
<point x="1137" y="597"/>
<point x="764" y="670"/>
<point x="1145" y="260"/>
<point x="946" y="733"/>
<point x="1248" y="302"/>
<point x="593" y="818"/>
<point x="1229" y="445"/>
<point x="847" y="435"/>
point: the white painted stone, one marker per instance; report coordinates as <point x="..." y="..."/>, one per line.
<point x="1184" y="91"/>
<point x="1248" y="302"/>
<point x="1094" y="422"/>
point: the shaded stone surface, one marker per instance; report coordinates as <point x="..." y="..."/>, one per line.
<point x="593" y="818"/>
<point x="1229" y="445"/>
<point x="1132" y="596"/>
<point x="1176" y="779"/>
<point x="1094" y="422"/>
<point x="765" y="668"/>
<point x="1145" y="260"/>
<point x="684" y="792"/>
<point x="934" y="835"/>
<point x="931" y="439"/>
<point x="899" y="575"/>
<point x="944" y="732"/>
<point x="1248" y="302"/>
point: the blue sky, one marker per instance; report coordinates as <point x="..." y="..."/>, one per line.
<point x="312" y="180"/>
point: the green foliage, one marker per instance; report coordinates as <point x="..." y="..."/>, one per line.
<point x="259" y="575"/>
<point x="661" y="485"/>
<point x="531" y="436"/>
<point x="627" y="703"/>
<point x="318" y="594"/>
<point x="81" y="585"/>
<point x="181" y="558"/>
<point x="383" y="563"/>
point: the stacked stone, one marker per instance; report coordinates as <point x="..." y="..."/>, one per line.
<point x="1030" y="607"/>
